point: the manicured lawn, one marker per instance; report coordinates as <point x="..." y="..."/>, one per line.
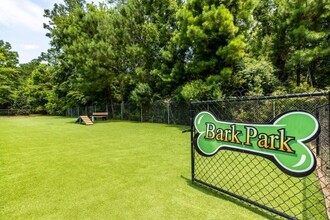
<point x="52" y="168"/>
<point x="260" y="180"/>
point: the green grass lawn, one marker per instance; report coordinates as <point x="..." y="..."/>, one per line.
<point x="260" y="180"/>
<point x="52" y="168"/>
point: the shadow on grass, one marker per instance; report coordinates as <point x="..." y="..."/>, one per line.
<point x="220" y="195"/>
<point x="74" y="121"/>
<point x="181" y="128"/>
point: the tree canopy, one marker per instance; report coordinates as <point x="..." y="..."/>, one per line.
<point x="144" y="50"/>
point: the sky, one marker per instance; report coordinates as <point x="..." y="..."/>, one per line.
<point x="21" y="25"/>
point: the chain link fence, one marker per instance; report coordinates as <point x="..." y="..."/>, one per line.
<point x="257" y="180"/>
<point x="245" y="176"/>
<point x="167" y="112"/>
<point x="13" y="112"/>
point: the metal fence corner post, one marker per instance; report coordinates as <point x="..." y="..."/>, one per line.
<point x="122" y="110"/>
<point x="329" y="120"/>
<point x="192" y="142"/>
<point x="273" y="108"/>
<point x="317" y="114"/>
<point x="168" y="112"/>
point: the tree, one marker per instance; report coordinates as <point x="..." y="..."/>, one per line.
<point x="143" y="30"/>
<point x="185" y="49"/>
<point x="9" y="75"/>
<point x="213" y="38"/>
<point x="309" y="38"/>
<point x="63" y="32"/>
<point x="103" y="53"/>
<point x="22" y="100"/>
<point x="40" y="87"/>
<point x="295" y="36"/>
<point x="257" y="77"/>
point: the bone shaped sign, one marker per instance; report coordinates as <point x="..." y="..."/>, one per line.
<point x="283" y="141"/>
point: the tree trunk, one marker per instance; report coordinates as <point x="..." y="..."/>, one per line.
<point x="110" y="101"/>
<point x="311" y="73"/>
<point x="298" y="75"/>
<point x="282" y="75"/>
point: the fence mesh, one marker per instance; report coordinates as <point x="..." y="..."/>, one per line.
<point x="12" y="112"/>
<point x="159" y="111"/>
<point x="257" y="180"/>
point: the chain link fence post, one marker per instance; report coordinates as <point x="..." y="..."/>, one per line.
<point x="122" y="106"/>
<point x="168" y="111"/>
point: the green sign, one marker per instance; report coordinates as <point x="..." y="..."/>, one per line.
<point x="283" y="141"/>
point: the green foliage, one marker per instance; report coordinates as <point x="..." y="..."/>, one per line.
<point x="8" y="58"/>
<point x="300" y="45"/>
<point x="54" y="106"/>
<point x="194" y="90"/>
<point x="123" y="50"/>
<point x="257" y="77"/>
<point x="142" y="94"/>
<point x="9" y="75"/>
<point x="189" y="50"/>
<point x="210" y="37"/>
<point x="203" y="90"/>
<point x="40" y="85"/>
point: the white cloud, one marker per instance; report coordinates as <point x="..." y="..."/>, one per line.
<point x="29" y="46"/>
<point x="50" y="3"/>
<point x="96" y="2"/>
<point x="22" y="13"/>
<point x="21" y="24"/>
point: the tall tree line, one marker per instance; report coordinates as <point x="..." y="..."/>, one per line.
<point x="144" y="50"/>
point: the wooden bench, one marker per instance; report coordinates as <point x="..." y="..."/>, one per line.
<point x="103" y="115"/>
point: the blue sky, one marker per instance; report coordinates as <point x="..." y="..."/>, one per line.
<point x="21" y="24"/>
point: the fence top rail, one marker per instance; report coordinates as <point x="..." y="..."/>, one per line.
<point x="286" y="96"/>
<point x="12" y="109"/>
